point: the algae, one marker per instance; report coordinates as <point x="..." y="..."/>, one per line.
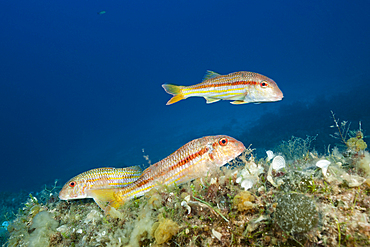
<point x="305" y="209"/>
<point x="43" y="226"/>
<point x="296" y="213"/>
<point x="164" y="230"/>
<point x="243" y="201"/>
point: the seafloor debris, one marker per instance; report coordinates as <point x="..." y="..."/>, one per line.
<point x="305" y="209"/>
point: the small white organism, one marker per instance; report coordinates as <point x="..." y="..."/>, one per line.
<point x="323" y="164"/>
<point x="249" y="175"/>
<point x="277" y="163"/>
<point x="185" y="203"/>
<point x="5" y="224"/>
<point x="217" y="234"/>
<point x="246" y="180"/>
<point x="253" y="224"/>
<point x="270" y="155"/>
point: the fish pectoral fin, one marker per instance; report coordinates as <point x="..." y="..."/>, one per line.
<point x="105" y="198"/>
<point x="211" y="100"/>
<point x="238" y="102"/>
<point x="209" y="75"/>
<point x="239" y="97"/>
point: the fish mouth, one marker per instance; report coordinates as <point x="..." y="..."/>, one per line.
<point x="70" y="197"/>
<point x="61" y="197"/>
<point x="277" y="97"/>
<point x="280" y="96"/>
<point x="270" y="98"/>
<point x="241" y="148"/>
<point x="65" y="196"/>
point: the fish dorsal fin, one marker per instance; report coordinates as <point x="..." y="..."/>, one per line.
<point x="136" y="168"/>
<point x="210" y="74"/>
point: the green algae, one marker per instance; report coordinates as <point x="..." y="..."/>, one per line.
<point x="304" y="210"/>
<point x="296" y="213"/>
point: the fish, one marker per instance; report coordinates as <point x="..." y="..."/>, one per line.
<point x="106" y="177"/>
<point x="193" y="160"/>
<point x="102" y="12"/>
<point x="241" y="87"/>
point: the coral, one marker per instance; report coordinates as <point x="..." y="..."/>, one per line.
<point x="296" y="213"/>
<point x="243" y="201"/>
<point x="164" y="230"/>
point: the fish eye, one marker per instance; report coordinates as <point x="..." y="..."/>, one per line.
<point x="72" y="184"/>
<point x="223" y="141"/>
<point x="264" y="84"/>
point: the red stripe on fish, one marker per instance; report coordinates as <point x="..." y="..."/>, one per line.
<point x="193" y="160"/>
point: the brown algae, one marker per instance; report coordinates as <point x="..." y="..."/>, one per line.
<point x="306" y="209"/>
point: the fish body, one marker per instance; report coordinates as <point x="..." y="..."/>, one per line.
<point x="102" y="12"/>
<point x="193" y="160"/>
<point x="99" y="178"/>
<point x="241" y="87"/>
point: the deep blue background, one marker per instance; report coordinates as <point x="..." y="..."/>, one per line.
<point x="80" y="90"/>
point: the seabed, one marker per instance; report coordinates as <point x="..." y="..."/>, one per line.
<point x="299" y="199"/>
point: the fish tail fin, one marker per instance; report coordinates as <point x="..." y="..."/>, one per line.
<point x="176" y="91"/>
<point x="106" y="199"/>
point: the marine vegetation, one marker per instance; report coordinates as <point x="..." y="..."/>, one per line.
<point x="310" y="200"/>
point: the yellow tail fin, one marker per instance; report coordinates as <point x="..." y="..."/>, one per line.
<point x="176" y="91"/>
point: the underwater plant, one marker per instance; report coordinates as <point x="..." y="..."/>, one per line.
<point x="295" y="147"/>
<point x="355" y="143"/>
<point x="312" y="204"/>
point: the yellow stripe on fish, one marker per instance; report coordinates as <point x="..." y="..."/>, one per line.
<point x="193" y="160"/>
<point x="99" y="178"/>
<point x="241" y="87"/>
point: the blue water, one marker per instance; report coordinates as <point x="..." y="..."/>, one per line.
<point x="79" y="90"/>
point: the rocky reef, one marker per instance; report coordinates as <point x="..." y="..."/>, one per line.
<point x="295" y="201"/>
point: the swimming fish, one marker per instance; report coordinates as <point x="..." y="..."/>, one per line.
<point x="193" y="160"/>
<point x="102" y="12"/>
<point x="107" y="177"/>
<point x="241" y="87"/>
